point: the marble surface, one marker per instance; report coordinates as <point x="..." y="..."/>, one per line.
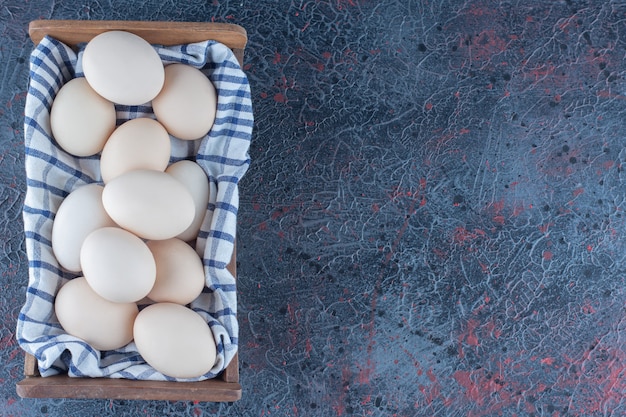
<point x="432" y="221"/>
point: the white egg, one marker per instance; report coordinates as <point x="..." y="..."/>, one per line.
<point x="179" y="272"/>
<point x="175" y="340"/>
<point x="151" y="204"/>
<point x="80" y="119"/>
<point x="187" y="104"/>
<point x="117" y="265"/>
<point x="123" y="68"/>
<point x="140" y="143"/>
<point x="80" y="213"/>
<point x="193" y="177"/>
<point x="101" y="323"/>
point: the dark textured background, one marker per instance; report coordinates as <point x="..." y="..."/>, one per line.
<point x="432" y="224"/>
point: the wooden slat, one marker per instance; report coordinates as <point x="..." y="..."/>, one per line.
<point x="103" y="388"/>
<point x="73" y="32"/>
<point x="231" y="372"/>
<point x="30" y="365"/>
<point x="224" y="388"/>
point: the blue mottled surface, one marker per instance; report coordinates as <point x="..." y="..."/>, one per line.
<point x="432" y="224"/>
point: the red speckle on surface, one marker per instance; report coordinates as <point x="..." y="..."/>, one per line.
<point x="339" y="400"/>
<point x="498" y="206"/>
<point x="462" y="235"/>
<point x="341" y="3"/>
<point x="587" y="308"/>
<point x="280" y="98"/>
<point x="428" y="106"/>
<point x="487" y="44"/>
<point x="499" y="220"/>
<point x="547" y="255"/>
<point x="366" y="372"/>
<point x="431" y="391"/>
<point x="292" y="314"/>
<point x="607" y="165"/>
<point x="431" y="375"/>
<point x="472" y="390"/>
<point x="545" y="227"/>
<point x="489" y="394"/>
<point x="518" y="209"/>
<point x="470" y="333"/>
<point x="16" y="97"/>
<point x="493" y="329"/>
<point x="609" y="94"/>
<point x="14" y="353"/>
<point x="416" y="363"/>
<point x="8" y="341"/>
<point x="578" y="191"/>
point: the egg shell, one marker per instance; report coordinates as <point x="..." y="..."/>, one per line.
<point x="117" y="265"/>
<point x="187" y="104"/>
<point x="140" y="143"/>
<point x="193" y="177"/>
<point x="101" y="323"/>
<point x="123" y="68"/>
<point x="79" y="214"/>
<point x="80" y="119"/>
<point x="151" y="204"/>
<point x="175" y="340"/>
<point x="179" y="272"/>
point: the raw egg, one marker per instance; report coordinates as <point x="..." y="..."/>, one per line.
<point x="179" y="272"/>
<point x="123" y="68"/>
<point x="101" y="323"/>
<point x="79" y="214"/>
<point x="117" y="265"/>
<point x="151" y="204"/>
<point x="192" y="176"/>
<point x="140" y="143"/>
<point x="187" y="104"/>
<point x="175" y="340"/>
<point x="80" y="119"/>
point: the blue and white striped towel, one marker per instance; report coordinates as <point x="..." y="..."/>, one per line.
<point x="52" y="174"/>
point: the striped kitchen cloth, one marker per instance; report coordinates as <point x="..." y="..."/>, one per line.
<point x="52" y="174"/>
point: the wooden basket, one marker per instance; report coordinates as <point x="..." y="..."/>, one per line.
<point x="225" y="387"/>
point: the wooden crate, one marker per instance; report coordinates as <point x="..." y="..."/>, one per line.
<point x="225" y="387"/>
